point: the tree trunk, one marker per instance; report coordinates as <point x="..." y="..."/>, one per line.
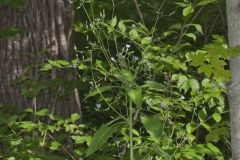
<point x="233" y="16"/>
<point x="46" y="33"/>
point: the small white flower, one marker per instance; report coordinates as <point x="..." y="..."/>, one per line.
<point x="182" y="97"/>
<point x="134" y="25"/>
<point x="98" y="106"/>
<point x="163" y="105"/>
<point x="185" y="138"/>
<point x="91" y="83"/>
<point x="128" y="46"/>
<point x="113" y="59"/>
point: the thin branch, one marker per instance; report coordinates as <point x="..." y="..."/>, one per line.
<point x="139" y="11"/>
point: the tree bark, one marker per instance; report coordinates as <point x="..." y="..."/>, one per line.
<point x="233" y="16"/>
<point x="46" y="33"/>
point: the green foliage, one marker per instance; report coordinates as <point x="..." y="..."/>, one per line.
<point x="152" y="91"/>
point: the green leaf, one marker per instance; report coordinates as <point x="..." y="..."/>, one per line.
<point x="122" y="26"/>
<point x="134" y="34"/>
<point x="55" y="145"/>
<point x="194" y="84"/>
<point x="154" y="126"/>
<point x="43" y="112"/>
<point x="213" y="148"/>
<point x="198" y="28"/>
<point x="82" y="139"/>
<point x="146" y="40"/>
<point x="27" y="125"/>
<point x="46" y="67"/>
<point x="63" y="63"/>
<point x="217" y="117"/>
<point x="191" y="35"/>
<point x="136" y="96"/>
<point x="127" y="75"/>
<point x="54" y="63"/>
<point x="205" y="2"/>
<point x="99" y="90"/>
<point x="191" y="127"/>
<point x="113" y="22"/>
<point x="153" y="85"/>
<point x="187" y="11"/>
<point x="75" y="117"/>
<point x="202" y="114"/>
<point x="100" y="138"/>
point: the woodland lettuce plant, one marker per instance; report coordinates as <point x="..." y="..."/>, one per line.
<point x="156" y="96"/>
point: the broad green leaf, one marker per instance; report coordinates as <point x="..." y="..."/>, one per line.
<point x="100" y="138"/>
<point x="27" y="125"/>
<point x="113" y="22"/>
<point x="122" y="26"/>
<point x="54" y="63"/>
<point x="43" y="112"/>
<point x="191" y="35"/>
<point x="187" y="11"/>
<point x="63" y="63"/>
<point x="134" y="34"/>
<point x="217" y="117"/>
<point x="146" y="40"/>
<point x="194" y="84"/>
<point x="126" y="75"/>
<point x="198" y="28"/>
<point x="46" y="67"/>
<point x="213" y="148"/>
<point x="75" y="117"/>
<point x="181" y="4"/>
<point x="154" y="126"/>
<point x="136" y="96"/>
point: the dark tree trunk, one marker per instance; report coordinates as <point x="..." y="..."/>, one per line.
<point x="46" y="33"/>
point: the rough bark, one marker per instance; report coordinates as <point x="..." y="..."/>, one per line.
<point x="46" y="33"/>
<point x="233" y="16"/>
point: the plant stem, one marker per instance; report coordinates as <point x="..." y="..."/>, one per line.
<point x="131" y="130"/>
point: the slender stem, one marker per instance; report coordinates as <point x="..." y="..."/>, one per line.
<point x="131" y="130"/>
<point x="139" y="11"/>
